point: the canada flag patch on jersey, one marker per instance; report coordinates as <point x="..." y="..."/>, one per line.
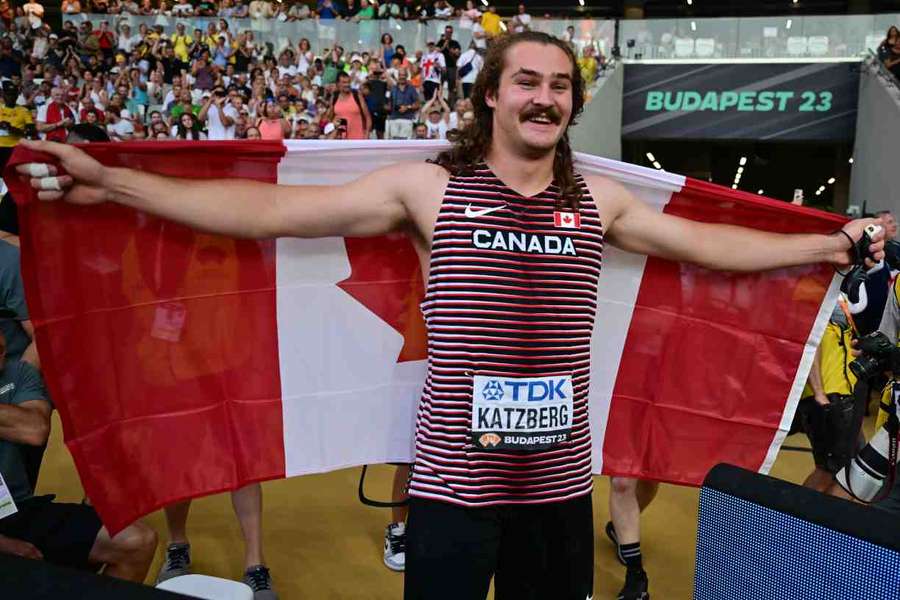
<point x="566" y="220"/>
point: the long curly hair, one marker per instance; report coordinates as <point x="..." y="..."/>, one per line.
<point x="471" y="144"/>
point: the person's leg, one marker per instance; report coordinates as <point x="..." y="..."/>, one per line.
<point x="547" y="551"/>
<point x="820" y="480"/>
<point x="176" y="522"/>
<point x="247" y="503"/>
<point x="177" y="561"/>
<point x="399" y="494"/>
<point x="395" y="532"/>
<point x="128" y="554"/>
<point x="451" y="551"/>
<point x="627" y="499"/>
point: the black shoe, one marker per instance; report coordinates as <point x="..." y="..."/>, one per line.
<point x="611" y="534"/>
<point x="635" y="587"/>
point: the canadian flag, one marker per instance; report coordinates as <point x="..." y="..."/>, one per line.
<point x="566" y="220"/>
<point x="185" y="364"/>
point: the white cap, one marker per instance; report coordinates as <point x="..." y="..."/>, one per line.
<point x="329" y="128"/>
<point x="356" y="57"/>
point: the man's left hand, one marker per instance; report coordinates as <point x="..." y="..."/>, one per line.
<point x="845" y="256"/>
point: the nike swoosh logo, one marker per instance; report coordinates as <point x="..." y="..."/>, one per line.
<point x="473" y="213"/>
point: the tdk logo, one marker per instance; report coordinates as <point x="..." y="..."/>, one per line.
<point x="526" y="390"/>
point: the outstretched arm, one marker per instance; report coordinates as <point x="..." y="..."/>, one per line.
<point x="371" y="205"/>
<point x="635" y="227"/>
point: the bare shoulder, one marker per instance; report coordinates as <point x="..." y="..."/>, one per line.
<point x="611" y="197"/>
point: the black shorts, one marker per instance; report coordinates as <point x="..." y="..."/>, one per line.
<point x="64" y="533"/>
<point x="378" y="120"/>
<point x="833" y="430"/>
<point x="428" y="89"/>
<point x="533" y="552"/>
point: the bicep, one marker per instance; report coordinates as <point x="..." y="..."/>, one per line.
<point x="643" y="230"/>
<point x="368" y="206"/>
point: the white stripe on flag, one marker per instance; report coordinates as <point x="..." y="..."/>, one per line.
<point x="809" y="352"/>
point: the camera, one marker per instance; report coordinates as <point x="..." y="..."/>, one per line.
<point x="875" y="465"/>
<point x="878" y="355"/>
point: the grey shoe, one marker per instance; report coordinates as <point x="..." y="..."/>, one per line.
<point x="395" y="546"/>
<point x="177" y="563"/>
<point x="259" y="580"/>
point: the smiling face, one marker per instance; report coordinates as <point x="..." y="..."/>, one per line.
<point x="532" y="105"/>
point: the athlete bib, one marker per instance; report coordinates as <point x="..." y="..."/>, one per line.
<point x="521" y="413"/>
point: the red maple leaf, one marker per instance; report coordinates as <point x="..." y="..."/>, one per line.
<point x="386" y="278"/>
<point x="567" y="219"/>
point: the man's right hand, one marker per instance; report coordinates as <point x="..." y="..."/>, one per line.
<point x="21" y="548"/>
<point x="821" y="399"/>
<point x="83" y="183"/>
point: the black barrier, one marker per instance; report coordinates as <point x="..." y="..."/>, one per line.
<point x="781" y="101"/>
<point x="760" y="537"/>
<point x="25" y="579"/>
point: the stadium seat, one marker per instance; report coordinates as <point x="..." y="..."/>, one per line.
<point x="211" y="588"/>
<point x="818" y="45"/>
<point x="797" y="45"/>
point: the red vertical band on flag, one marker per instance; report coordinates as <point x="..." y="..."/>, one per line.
<point x="158" y="343"/>
<point x="710" y="357"/>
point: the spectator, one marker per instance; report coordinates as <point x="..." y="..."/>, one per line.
<point x="490" y="22"/>
<point x="122" y="127"/>
<point x="260" y="9"/>
<point x="386" y="49"/>
<point x="885" y="48"/>
<point x="88" y="108"/>
<point x="588" y="65"/>
<point x="436" y="115"/>
<point x="327" y="10"/>
<point x="219" y="115"/>
<point x="185" y="105"/>
<point x="443" y="10"/>
<point x="272" y="125"/>
<point x="68" y="535"/>
<point x="70" y="7"/>
<point x="15" y="122"/>
<point x="451" y="50"/>
<point x="522" y="21"/>
<point x="253" y="133"/>
<point x="470" y="15"/>
<point x="187" y="128"/>
<point x="433" y="66"/>
<point x="892" y="62"/>
<point x="375" y="91"/>
<point x="468" y="67"/>
<point x="54" y="118"/>
<point x="420" y="132"/>
<point x="404" y="107"/>
<point x="347" y="104"/>
<point x="34" y="12"/>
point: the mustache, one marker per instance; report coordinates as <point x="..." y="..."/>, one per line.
<point x="535" y="111"/>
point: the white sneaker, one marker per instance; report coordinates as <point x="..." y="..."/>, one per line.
<point x="395" y="546"/>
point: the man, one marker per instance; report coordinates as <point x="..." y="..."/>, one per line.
<point x="15" y="122"/>
<point x="433" y="68"/>
<point x="122" y="128"/>
<point x="69" y="535"/>
<point x="490" y="22"/>
<point x="376" y="94"/>
<point x="219" y="115"/>
<point x="420" y="131"/>
<point x="520" y="513"/>
<point x="185" y="104"/>
<point x="628" y="498"/>
<point x="522" y="21"/>
<point x="889" y="223"/>
<point x="451" y="50"/>
<point x="55" y="118"/>
<point x="404" y="108"/>
<point x="87" y="108"/>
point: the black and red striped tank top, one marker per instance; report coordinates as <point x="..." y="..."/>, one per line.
<point x="510" y="306"/>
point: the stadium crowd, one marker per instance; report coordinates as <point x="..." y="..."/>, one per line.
<point x="221" y="84"/>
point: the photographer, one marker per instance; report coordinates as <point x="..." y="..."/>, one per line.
<point x="219" y="115"/>
<point x="832" y="406"/>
